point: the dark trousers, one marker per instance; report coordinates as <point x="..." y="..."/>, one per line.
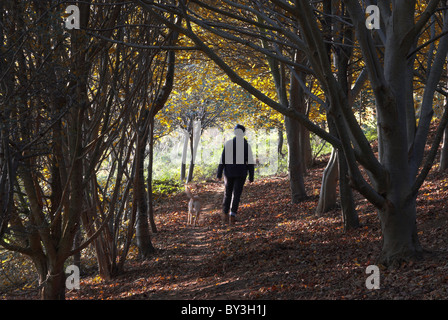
<point x="232" y="194"/>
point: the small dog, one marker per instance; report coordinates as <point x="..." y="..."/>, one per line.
<point x="194" y="206"/>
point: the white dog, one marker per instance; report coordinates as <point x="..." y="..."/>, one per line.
<point x="194" y="206"/>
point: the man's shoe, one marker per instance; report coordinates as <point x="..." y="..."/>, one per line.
<point x="232" y="220"/>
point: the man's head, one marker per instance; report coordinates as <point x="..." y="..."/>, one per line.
<point x="239" y="130"/>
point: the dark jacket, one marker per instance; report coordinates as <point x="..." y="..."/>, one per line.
<point x="236" y="165"/>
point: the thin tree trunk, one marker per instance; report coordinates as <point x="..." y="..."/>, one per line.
<point x="149" y="179"/>
<point x="104" y="263"/>
<point x="328" y="194"/>
<point x="76" y="244"/>
<point x="184" y="156"/>
<point x="295" y="135"/>
<point x="142" y="233"/>
<point x="296" y="182"/>
<point x="194" y="143"/>
<point x="443" y="164"/>
<point x="349" y="215"/>
<point x="191" y="167"/>
<point x="280" y="143"/>
<point x="305" y="143"/>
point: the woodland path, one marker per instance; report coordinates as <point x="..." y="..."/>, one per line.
<point x="194" y="251"/>
<point x="279" y="250"/>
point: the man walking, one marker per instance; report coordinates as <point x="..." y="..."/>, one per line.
<point x="236" y="162"/>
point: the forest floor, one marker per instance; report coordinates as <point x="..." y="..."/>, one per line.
<point x="278" y="250"/>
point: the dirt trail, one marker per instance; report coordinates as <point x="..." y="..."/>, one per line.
<point x="187" y="259"/>
<point x="276" y="250"/>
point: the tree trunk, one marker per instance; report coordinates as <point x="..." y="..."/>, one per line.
<point x="51" y="279"/>
<point x="335" y="171"/>
<point x="54" y="287"/>
<point x="142" y="233"/>
<point x="295" y="163"/>
<point x="149" y="179"/>
<point x="106" y="267"/>
<point x="280" y="143"/>
<point x="191" y="167"/>
<point x="184" y="156"/>
<point x="76" y="244"/>
<point x="295" y="135"/>
<point x="307" y="155"/>
<point x="102" y="257"/>
<point x="194" y="143"/>
<point x="400" y="239"/>
<point x="349" y="215"/>
<point x="443" y="164"/>
<point x="328" y="194"/>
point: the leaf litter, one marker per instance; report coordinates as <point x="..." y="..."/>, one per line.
<point x="277" y="250"/>
<point x="280" y="250"/>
